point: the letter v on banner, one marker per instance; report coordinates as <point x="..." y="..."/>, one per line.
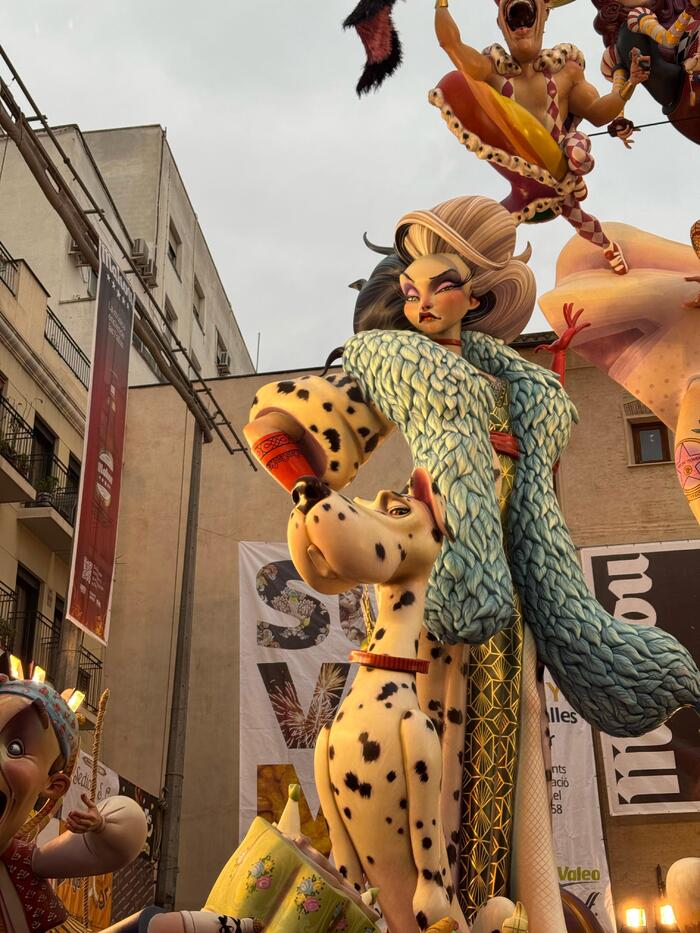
<point x="95" y="539"/>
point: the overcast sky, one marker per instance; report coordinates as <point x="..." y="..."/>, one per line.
<point x="286" y="167"/>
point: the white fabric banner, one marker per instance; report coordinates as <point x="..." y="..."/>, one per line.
<point x="576" y="821"/>
<point x="294" y="672"/>
<point x="107" y="784"/>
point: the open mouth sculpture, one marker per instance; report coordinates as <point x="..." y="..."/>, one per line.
<point x="3" y="804"/>
<point x="520" y="16"/>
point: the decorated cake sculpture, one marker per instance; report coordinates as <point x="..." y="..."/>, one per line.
<point x="643" y="331"/>
<point x="378" y="765"/>
<point x="38" y="750"/>
<point x="429" y="358"/>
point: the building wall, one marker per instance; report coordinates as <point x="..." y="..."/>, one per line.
<point x="604" y="499"/>
<point x="38" y="383"/>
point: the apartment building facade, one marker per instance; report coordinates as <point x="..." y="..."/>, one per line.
<point x="132" y="176"/>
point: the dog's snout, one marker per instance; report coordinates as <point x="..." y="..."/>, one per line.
<point x="308" y="492"/>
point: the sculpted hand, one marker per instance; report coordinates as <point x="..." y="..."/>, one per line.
<point x="89" y="820"/>
<point x="640" y="67"/>
<point x="623" y="128"/>
<point x="572" y="328"/>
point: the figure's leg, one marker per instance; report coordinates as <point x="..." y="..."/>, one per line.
<point x="590" y="229"/>
<point x="688" y="446"/>
<point x="343" y="851"/>
<point x="434" y="896"/>
<point x="200" y="921"/>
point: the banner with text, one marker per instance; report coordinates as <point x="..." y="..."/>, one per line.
<point x="294" y="672"/>
<point x="92" y="567"/>
<point x="652" y="584"/>
<point x="576" y="821"/>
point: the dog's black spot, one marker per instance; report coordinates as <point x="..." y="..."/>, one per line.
<point x="429" y="725"/>
<point x="427" y="842"/>
<point x="339" y="716"/>
<point x="388" y="705"/>
<point x="355" y="395"/>
<point x="331" y="752"/>
<point x="403" y="803"/>
<point x="343" y="871"/>
<point x="451" y="854"/>
<point x="334" y="465"/>
<point x="405" y="599"/>
<point x="380" y="552"/>
<point x="379" y="634"/>
<point x="284" y="388"/>
<point x="326" y="507"/>
<point x="255" y="402"/>
<point x="303" y="394"/>
<point x="434" y="705"/>
<point x="454" y="836"/>
<point x="370" y="860"/>
<point x="427" y="874"/>
<point x="422" y="770"/>
<point x="407" y="715"/>
<point x="400" y="830"/>
<point x="363" y="432"/>
<point x="455" y="794"/>
<point x="371" y="443"/>
<point x="389" y="689"/>
<point x="312" y="427"/>
<point x="389" y="820"/>
<point x="437" y="878"/>
<point x="353" y="783"/>
<point x="350" y="410"/>
<point x="450" y="892"/>
<point x="435" y="652"/>
<point x="455" y="716"/>
<point x="419" y="824"/>
<point x="348" y="812"/>
<point x="333" y="438"/>
<point x="448" y="658"/>
<point x="421" y="920"/>
<point x="436" y="535"/>
<point x="328" y="406"/>
<point x="341" y="516"/>
<point x="403" y="554"/>
<point x="370" y="749"/>
<point x="391" y="776"/>
<point x="415" y="644"/>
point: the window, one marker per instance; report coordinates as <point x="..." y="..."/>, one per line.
<point x="198" y="303"/>
<point x="174" y="244"/>
<point x="43" y="447"/>
<point x="171" y="318"/>
<point x="196" y="365"/>
<point x="223" y="357"/>
<point x="650" y="442"/>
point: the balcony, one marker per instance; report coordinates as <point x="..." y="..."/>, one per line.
<point x="51" y="516"/>
<point x="28" y="634"/>
<point x="89" y="678"/>
<point x="8" y="270"/>
<point x="69" y="351"/>
<point x="15" y="455"/>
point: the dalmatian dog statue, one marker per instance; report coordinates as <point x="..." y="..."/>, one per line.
<point x="378" y="765"/>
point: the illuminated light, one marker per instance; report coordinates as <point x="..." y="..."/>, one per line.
<point x="38" y="675"/>
<point x="667" y="918"/>
<point x="75" y="700"/>
<point x="16" y="669"/>
<point x="636" y="918"/>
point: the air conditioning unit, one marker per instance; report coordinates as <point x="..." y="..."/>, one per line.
<point x="223" y="362"/>
<point x="139" y="252"/>
<point x="78" y="258"/>
<point x="149" y="273"/>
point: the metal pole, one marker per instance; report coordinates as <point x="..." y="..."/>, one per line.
<point x="174" y="772"/>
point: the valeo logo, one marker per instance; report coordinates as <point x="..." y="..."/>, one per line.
<point x="578" y="873"/>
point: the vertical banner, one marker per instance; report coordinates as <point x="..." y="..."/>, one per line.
<point x="652" y="584"/>
<point x="92" y="567"/>
<point x="576" y="822"/>
<point x="294" y="671"/>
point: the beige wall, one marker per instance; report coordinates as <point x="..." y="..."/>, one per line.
<point x="606" y="504"/>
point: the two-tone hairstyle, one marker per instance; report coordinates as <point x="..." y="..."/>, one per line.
<point x="482" y="233"/>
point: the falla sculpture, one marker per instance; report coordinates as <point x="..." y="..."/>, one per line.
<point x="38" y="749"/>
<point x="430" y="357"/>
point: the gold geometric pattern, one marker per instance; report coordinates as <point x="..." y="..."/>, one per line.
<point x="491" y="737"/>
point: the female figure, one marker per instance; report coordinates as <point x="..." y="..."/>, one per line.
<point x="429" y="357"/>
<point x="666" y="32"/>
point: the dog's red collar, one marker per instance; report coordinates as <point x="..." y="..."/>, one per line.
<point x="390" y="663"/>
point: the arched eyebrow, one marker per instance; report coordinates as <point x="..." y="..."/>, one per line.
<point x="449" y="275"/>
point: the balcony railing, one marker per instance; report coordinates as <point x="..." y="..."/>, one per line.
<point x="40" y="637"/>
<point x="8" y="270"/>
<point x="8" y="627"/>
<point x="90" y="678"/>
<point x="54" y="486"/>
<point x="69" y="351"/>
<point x="15" y="438"/>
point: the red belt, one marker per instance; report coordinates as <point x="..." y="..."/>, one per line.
<point x="506" y="444"/>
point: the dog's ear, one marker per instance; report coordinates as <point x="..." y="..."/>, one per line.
<point x="422" y="487"/>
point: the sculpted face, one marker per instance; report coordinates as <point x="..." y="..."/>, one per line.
<point x="28" y="750"/>
<point x="437" y="294"/>
<point x="522" y="24"/>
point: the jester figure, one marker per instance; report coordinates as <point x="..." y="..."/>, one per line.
<point x="551" y="85"/>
